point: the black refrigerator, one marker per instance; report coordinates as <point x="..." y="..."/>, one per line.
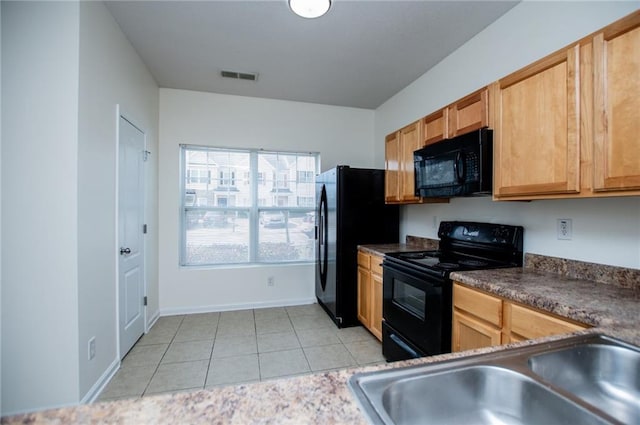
<point x="350" y="212"/>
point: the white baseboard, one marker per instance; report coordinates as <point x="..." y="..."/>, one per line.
<point x="101" y="383"/>
<point x="153" y="320"/>
<point x="231" y="307"/>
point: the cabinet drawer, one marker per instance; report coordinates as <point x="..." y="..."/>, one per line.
<point x="363" y="260"/>
<point x="376" y="264"/>
<point x="530" y="323"/>
<point x="483" y="306"/>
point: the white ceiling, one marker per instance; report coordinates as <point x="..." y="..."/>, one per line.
<point x="359" y="54"/>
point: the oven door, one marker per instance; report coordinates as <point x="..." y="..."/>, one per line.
<point x="417" y="306"/>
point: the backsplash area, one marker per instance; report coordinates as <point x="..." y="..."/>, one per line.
<point x="422" y="243"/>
<point x="610" y="275"/>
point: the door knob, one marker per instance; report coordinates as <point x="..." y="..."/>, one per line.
<point x="125" y="251"/>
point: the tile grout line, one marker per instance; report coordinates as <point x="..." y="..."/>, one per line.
<point x="215" y="335"/>
<point x="161" y="358"/>
<point x="255" y="328"/>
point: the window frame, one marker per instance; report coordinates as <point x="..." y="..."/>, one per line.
<point x="253" y="211"/>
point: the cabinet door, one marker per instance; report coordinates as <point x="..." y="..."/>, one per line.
<point x="469" y="333"/>
<point x="376" y="305"/>
<point x="364" y="296"/>
<point x="616" y="59"/>
<point x="434" y="127"/>
<point x="469" y="113"/>
<point x="537" y="137"/>
<point x="392" y="168"/>
<point x="410" y="141"/>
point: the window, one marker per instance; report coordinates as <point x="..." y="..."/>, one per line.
<point x="251" y="206"/>
<point x="306" y="176"/>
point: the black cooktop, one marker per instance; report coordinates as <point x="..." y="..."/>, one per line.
<point x="467" y="246"/>
<point x="438" y="260"/>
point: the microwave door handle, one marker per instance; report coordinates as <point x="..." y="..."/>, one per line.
<point x="459" y="167"/>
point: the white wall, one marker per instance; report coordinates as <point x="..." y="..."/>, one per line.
<point x="341" y="135"/>
<point x="111" y="73"/>
<point x="66" y="65"/>
<point x="0" y="208"/>
<point x="605" y="230"/>
<point x="39" y="205"/>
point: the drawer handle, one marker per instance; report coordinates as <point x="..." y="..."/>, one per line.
<point x="404" y="346"/>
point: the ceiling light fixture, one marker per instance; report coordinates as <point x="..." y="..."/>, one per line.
<point x="310" y="8"/>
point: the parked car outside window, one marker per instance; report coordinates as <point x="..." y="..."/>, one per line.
<point x="214" y="219"/>
<point x="272" y="219"/>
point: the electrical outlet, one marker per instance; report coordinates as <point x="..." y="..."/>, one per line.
<point x="270" y="281"/>
<point x="565" y="231"/>
<point x="92" y="348"/>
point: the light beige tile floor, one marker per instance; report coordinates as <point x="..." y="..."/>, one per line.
<point x="198" y="351"/>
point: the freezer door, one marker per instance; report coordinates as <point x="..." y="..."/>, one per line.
<point x="326" y="243"/>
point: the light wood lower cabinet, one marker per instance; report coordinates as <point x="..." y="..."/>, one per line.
<point x="483" y="320"/>
<point x="526" y="323"/>
<point x="370" y="292"/>
<point x="470" y="332"/>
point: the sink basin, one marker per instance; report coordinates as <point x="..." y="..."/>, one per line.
<point x="588" y="379"/>
<point x="478" y="395"/>
<point x="606" y="376"/>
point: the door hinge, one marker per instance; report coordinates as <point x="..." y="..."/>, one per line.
<point x="144" y="229"/>
<point x="145" y="155"/>
<point x="145" y="300"/>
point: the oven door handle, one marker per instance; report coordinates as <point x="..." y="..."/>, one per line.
<point x="404" y="346"/>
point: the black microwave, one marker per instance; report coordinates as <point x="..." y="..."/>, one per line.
<point x="460" y="166"/>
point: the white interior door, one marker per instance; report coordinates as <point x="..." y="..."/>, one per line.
<point x="130" y="234"/>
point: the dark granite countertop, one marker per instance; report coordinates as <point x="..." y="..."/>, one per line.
<point x="413" y="243"/>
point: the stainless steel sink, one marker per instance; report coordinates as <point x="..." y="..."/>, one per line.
<point x="606" y="376"/>
<point x="590" y="379"/>
<point x="481" y="395"/>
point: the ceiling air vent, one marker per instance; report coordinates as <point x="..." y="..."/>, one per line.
<point x="239" y="75"/>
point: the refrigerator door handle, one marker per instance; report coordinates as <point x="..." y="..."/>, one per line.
<point x="322" y="236"/>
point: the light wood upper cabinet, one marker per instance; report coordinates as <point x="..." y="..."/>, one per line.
<point x="399" y="168"/>
<point x="567" y="125"/>
<point x="537" y="134"/>
<point x="616" y="85"/>
<point x="435" y="126"/>
<point x="409" y="142"/>
<point x="392" y="168"/>
<point x="469" y="113"/>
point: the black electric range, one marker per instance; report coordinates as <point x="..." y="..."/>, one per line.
<point x="417" y="290"/>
